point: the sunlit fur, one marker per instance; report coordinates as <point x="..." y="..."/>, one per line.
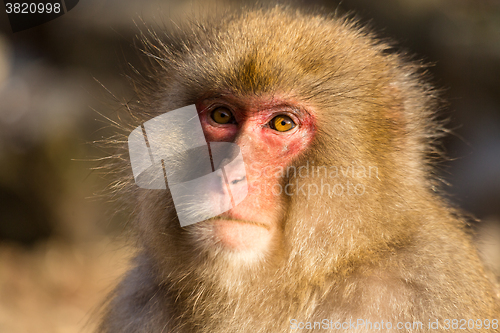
<point x="399" y="252"/>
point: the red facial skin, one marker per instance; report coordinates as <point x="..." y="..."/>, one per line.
<point x="252" y="223"/>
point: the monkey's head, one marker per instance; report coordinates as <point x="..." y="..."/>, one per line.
<point x="334" y="131"/>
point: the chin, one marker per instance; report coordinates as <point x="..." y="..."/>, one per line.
<point x="233" y="241"/>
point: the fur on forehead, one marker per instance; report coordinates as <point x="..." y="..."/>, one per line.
<point x="264" y="51"/>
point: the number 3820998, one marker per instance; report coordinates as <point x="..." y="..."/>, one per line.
<point x="32" y="8"/>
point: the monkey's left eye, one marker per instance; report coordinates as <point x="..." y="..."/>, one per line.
<point x="282" y="123"/>
<point x="222" y="115"/>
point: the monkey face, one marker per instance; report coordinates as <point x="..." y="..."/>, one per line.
<point x="271" y="133"/>
<point x="249" y="140"/>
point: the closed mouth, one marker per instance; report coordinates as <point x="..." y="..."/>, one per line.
<point x="225" y="218"/>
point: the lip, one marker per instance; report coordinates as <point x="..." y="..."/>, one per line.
<point x="237" y="220"/>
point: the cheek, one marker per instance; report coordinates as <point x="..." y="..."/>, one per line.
<point x="270" y="151"/>
<point x="218" y="134"/>
<point x="267" y="158"/>
<point x="283" y="148"/>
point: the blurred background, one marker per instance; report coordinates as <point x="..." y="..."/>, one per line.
<point x="61" y="244"/>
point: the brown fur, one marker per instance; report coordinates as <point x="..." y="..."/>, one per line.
<point x="397" y="253"/>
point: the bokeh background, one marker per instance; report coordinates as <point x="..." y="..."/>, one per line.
<point x="61" y="243"/>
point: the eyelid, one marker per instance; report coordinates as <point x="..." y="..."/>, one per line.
<point x="217" y="105"/>
<point x="294" y="112"/>
<point x="292" y="115"/>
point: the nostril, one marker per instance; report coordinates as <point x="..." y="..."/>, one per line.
<point x="236" y="181"/>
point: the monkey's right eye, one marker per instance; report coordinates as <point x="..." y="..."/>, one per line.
<point x="222" y="115"/>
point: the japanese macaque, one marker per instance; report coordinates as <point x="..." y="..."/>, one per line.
<point x="343" y="226"/>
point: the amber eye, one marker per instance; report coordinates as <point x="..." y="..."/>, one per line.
<point x="282" y="123"/>
<point x="222" y="115"/>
